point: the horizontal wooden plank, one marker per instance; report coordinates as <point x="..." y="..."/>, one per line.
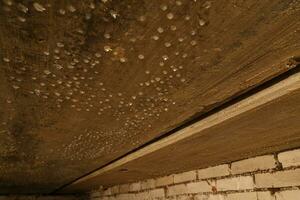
<point x="263" y="122"/>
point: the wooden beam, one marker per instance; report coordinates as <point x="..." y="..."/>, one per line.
<point x="276" y="91"/>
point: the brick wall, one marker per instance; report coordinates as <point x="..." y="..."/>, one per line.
<point x="269" y="177"/>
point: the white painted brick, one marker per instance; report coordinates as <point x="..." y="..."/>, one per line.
<point x="236" y="183"/>
<point x="115" y="189"/>
<point x="95" y="194"/>
<point x="148" y="184"/>
<point x="109" y="198"/>
<point x="183" y="197"/>
<point x="288" y="195"/>
<point x="163" y="181"/>
<point x="217" y="197"/>
<point x="201" y="197"/>
<point x="278" y="179"/>
<point x="126" y="197"/>
<point x="253" y="164"/>
<point x="143" y="195"/>
<point x="157" y="193"/>
<point x="177" y="189"/>
<point x="265" y="196"/>
<point x="197" y="187"/>
<point x="107" y="192"/>
<point x="242" y="196"/>
<point x="212" y="172"/>
<point x="184" y="177"/>
<point x="124" y="188"/>
<point x="290" y="158"/>
<point x="135" y="187"/>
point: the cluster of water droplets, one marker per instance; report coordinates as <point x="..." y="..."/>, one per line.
<point x="69" y="70"/>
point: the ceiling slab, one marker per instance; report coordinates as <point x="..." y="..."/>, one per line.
<point x="263" y="123"/>
<point x="85" y="82"/>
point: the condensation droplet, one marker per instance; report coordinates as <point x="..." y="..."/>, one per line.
<point x="114" y="14"/>
<point x="173" y="27"/>
<point x="8" y="2"/>
<point x="202" y="22"/>
<point x="160" y="30"/>
<point x="207" y="4"/>
<point x="168" y="44"/>
<point x="163" y="7"/>
<point x="155" y="37"/>
<point x="22" y="8"/>
<point x="107" y="35"/>
<point x="142" y="18"/>
<point x="6" y="60"/>
<point x="107" y="48"/>
<point x="71" y="8"/>
<point x="38" y="7"/>
<point x="122" y="60"/>
<point x="193" y="42"/>
<point x="141" y="56"/>
<point x="178" y="3"/>
<point x="62" y="11"/>
<point x="165" y="57"/>
<point x="170" y="16"/>
<point x="47" y="72"/>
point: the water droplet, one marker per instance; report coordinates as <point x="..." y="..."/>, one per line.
<point x="170" y="16"/>
<point x="155" y="37"/>
<point x="38" y="7"/>
<point x="47" y="72"/>
<point x="62" y="11"/>
<point x="207" y="4"/>
<point x="168" y="44"/>
<point x="165" y="57"/>
<point x="180" y="39"/>
<point x="107" y="35"/>
<point x="163" y="7"/>
<point x="202" y="22"/>
<point x="173" y="28"/>
<point x="142" y="18"/>
<point x="114" y="14"/>
<point x="15" y="87"/>
<point x="178" y="3"/>
<point x="71" y="8"/>
<point x="8" y="2"/>
<point x="160" y="30"/>
<point x="60" y="45"/>
<point x="187" y="18"/>
<point x="22" y="8"/>
<point x="107" y="48"/>
<point x="122" y="60"/>
<point x="6" y="60"/>
<point x="141" y="56"/>
<point x="193" y="42"/>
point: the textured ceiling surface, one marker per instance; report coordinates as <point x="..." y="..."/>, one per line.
<point x="84" y="82"/>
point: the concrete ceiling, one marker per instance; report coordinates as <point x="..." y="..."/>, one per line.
<point x="85" y="82"/>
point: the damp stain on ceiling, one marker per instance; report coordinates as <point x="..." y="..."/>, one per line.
<point x="85" y="82"/>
